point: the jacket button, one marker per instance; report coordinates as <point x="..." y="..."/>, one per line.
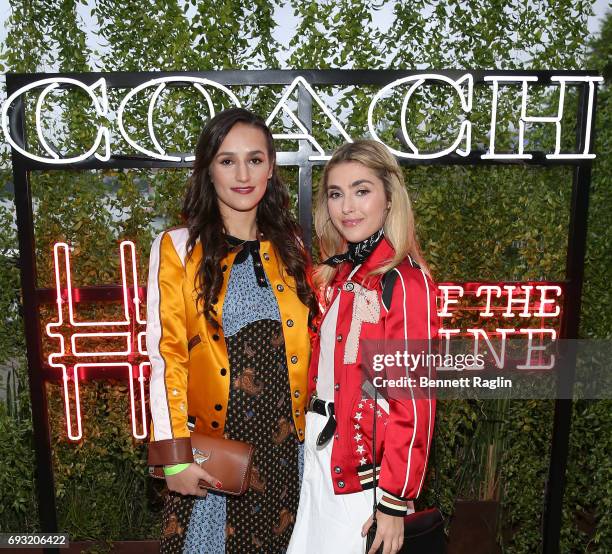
<point x="266" y="256"/>
<point x="215" y="337"/>
<point x="280" y="288"/>
<point x="339" y="338"/>
<point x="215" y="424"/>
<point x="223" y="371"/>
<point x="337" y="386"/>
<point x="297" y="413"/>
<point x="290" y="323"/>
<point x="315" y="378"/>
<point x="296" y="394"/>
<point x="218" y="407"/>
<point x="294" y="359"/>
<point x="338" y="469"/>
<point x="340" y="484"/>
<point x="349" y="286"/>
<point x="224" y="268"/>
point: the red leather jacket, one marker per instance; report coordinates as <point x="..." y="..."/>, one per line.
<point x="404" y="424"/>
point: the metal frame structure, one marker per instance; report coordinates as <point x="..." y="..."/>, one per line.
<point x="33" y="296"/>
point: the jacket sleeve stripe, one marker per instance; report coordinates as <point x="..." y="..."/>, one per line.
<point x="414" y="428"/>
<point x="429" y="431"/>
<point x="160" y="409"/>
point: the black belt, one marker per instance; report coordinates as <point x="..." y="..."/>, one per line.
<point x="325" y="409"/>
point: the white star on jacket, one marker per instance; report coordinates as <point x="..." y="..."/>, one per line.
<point x="360" y="449"/>
<point x="357" y="437"/>
<point x="358" y="416"/>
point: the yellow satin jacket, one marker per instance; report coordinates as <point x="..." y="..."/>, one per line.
<point x="190" y="373"/>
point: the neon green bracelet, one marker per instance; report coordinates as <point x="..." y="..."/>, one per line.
<point x="173" y="470"/>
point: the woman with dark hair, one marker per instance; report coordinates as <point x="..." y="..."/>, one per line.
<point x="229" y="305"/>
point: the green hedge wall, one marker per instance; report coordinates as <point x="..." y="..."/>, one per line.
<point x="485" y="223"/>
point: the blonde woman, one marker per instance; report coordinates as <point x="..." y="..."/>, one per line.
<point x="366" y="228"/>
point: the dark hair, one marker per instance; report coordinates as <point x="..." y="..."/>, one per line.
<point x="274" y="219"/>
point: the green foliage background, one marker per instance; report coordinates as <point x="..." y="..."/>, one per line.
<point x="484" y="223"/>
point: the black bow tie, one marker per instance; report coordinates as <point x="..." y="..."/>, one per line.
<point x="248" y="247"/>
<point x="357" y="252"/>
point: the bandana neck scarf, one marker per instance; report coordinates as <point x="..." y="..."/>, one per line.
<point x="357" y="252"/>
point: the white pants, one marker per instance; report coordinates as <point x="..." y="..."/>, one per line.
<point x="327" y="523"/>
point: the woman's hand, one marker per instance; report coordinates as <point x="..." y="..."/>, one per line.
<point x="186" y="482"/>
<point x="389" y="532"/>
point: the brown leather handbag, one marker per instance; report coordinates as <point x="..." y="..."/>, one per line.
<point x="230" y="461"/>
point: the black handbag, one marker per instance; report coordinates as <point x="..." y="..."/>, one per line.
<point x="423" y="531"/>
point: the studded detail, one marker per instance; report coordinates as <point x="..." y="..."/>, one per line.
<point x="296" y="394"/>
<point x="290" y="323"/>
<point x="175" y="392"/>
<point x="223" y="371"/>
<point x="224" y="268"/>
<point x="280" y="288"/>
<point x="297" y="413"/>
<point x="349" y="286"/>
<point x="294" y="359"/>
<point x="337" y="469"/>
<point x="340" y="484"/>
<point x="215" y="424"/>
<point x="215" y="337"/>
<point x="339" y="338"/>
<point x="266" y="256"/>
<point x="218" y="407"/>
<point x="337" y="386"/>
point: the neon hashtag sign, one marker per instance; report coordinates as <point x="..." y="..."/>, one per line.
<point x="131" y="337"/>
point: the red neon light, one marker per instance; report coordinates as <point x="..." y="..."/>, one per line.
<point x="61" y="254"/>
<point x="501" y="300"/>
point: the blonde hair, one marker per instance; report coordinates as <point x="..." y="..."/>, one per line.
<point x="399" y="227"/>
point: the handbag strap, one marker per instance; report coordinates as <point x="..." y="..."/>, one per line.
<point x="388" y="285"/>
<point x="374" y="503"/>
<point x="434" y="460"/>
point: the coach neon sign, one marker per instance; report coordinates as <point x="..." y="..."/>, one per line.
<point x="463" y="87"/>
<point x="160" y="84"/>
<point x="465" y="131"/>
<point x="99" y="98"/>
